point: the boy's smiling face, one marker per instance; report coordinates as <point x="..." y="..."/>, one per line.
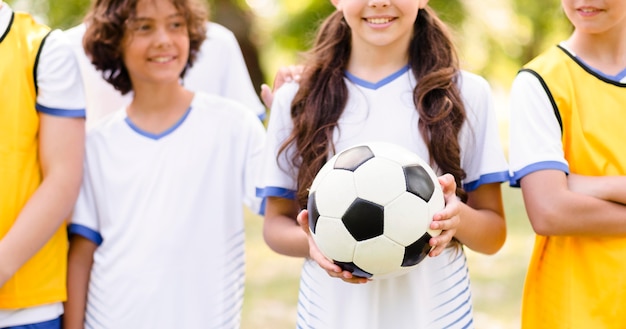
<point x="156" y="43"/>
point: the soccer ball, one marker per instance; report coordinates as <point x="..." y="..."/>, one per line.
<point x="370" y="208"/>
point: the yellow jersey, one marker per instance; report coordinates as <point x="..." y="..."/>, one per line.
<point x="41" y="280"/>
<point x="580" y="282"/>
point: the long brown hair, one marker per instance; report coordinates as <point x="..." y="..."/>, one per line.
<point x="322" y="96"/>
<point x="106" y="24"/>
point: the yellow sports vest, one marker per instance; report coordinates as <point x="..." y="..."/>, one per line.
<point x="580" y="282"/>
<point x="42" y="278"/>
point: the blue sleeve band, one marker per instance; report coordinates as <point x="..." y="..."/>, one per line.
<point x="546" y="165"/>
<point x="498" y="177"/>
<point x="80" y="113"/>
<point x="85" y="232"/>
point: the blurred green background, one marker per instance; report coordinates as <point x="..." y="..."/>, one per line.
<point x="494" y="38"/>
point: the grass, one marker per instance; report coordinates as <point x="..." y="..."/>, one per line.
<point x="497" y="280"/>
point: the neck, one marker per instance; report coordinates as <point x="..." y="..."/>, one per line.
<point x="376" y="63"/>
<point x="605" y="52"/>
<point x="156" y="110"/>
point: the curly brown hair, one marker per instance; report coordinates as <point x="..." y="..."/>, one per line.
<point x="106" y="26"/>
<point x="322" y="96"/>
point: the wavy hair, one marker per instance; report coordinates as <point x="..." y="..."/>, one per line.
<point x="106" y="26"/>
<point x="322" y="97"/>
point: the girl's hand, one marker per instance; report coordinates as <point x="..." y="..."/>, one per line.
<point x="314" y="253"/>
<point x="284" y="74"/>
<point x="447" y="219"/>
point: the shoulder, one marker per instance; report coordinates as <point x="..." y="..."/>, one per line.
<point x="110" y="128"/>
<point x="549" y="58"/>
<point x="229" y="117"/>
<point x="219" y="37"/>
<point x="75" y="35"/>
<point x="56" y="45"/>
<point x="219" y="32"/>
<point x="107" y="122"/>
<point x="5" y="17"/>
<point x="222" y="107"/>
<point x="471" y="82"/>
<point x="474" y="88"/>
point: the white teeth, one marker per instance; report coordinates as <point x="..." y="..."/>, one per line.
<point x="161" y="59"/>
<point x="378" y="20"/>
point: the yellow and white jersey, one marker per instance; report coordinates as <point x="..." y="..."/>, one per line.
<point x="38" y="75"/>
<point x="569" y="117"/>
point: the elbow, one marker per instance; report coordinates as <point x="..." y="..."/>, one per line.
<point x="495" y="243"/>
<point x="273" y="239"/>
<point x="544" y="222"/>
<point x="268" y="238"/>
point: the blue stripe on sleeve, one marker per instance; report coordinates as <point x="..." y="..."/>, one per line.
<point x="279" y="192"/>
<point x="85" y="232"/>
<point x="518" y="175"/>
<point x="274" y="192"/>
<point x="80" y="113"/>
<point x="497" y="177"/>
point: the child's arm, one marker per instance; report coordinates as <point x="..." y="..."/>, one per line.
<point x="556" y="209"/>
<point x="80" y="260"/>
<point x="281" y="230"/>
<point x="482" y="226"/>
<point x="61" y="150"/>
<point x="609" y="188"/>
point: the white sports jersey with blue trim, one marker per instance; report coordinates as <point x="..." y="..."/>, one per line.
<point x="167" y="213"/>
<point x="437" y="293"/>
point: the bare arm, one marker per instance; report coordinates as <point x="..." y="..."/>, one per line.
<point x="609" y="188"/>
<point x="554" y="209"/>
<point x="80" y="261"/>
<point x="483" y="226"/>
<point x="61" y="150"/>
<point x="281" y="231"/>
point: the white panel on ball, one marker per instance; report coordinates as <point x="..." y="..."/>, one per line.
<point x="406" y="218"/>
<point x="378" y="255"/>
<point x="379" y="180"/>
<point x="335" y="193"/>
<point x="337" y="243"/>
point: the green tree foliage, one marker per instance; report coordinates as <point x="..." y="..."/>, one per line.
<point x="57" y="14"/>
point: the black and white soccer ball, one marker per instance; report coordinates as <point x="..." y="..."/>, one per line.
<point x="370" y="208"/>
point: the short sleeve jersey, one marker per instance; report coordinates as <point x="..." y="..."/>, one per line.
<point x="39" y="77"/>
<point x="566" y="116"/>
<point x="166" y="211"/>
<point x="218" y="69"/>
<point x="437" y="293"/>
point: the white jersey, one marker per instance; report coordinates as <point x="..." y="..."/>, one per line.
<point x="167" y="214"/>
<point x="437" y="293"/>
<point x="219" y="69"/>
